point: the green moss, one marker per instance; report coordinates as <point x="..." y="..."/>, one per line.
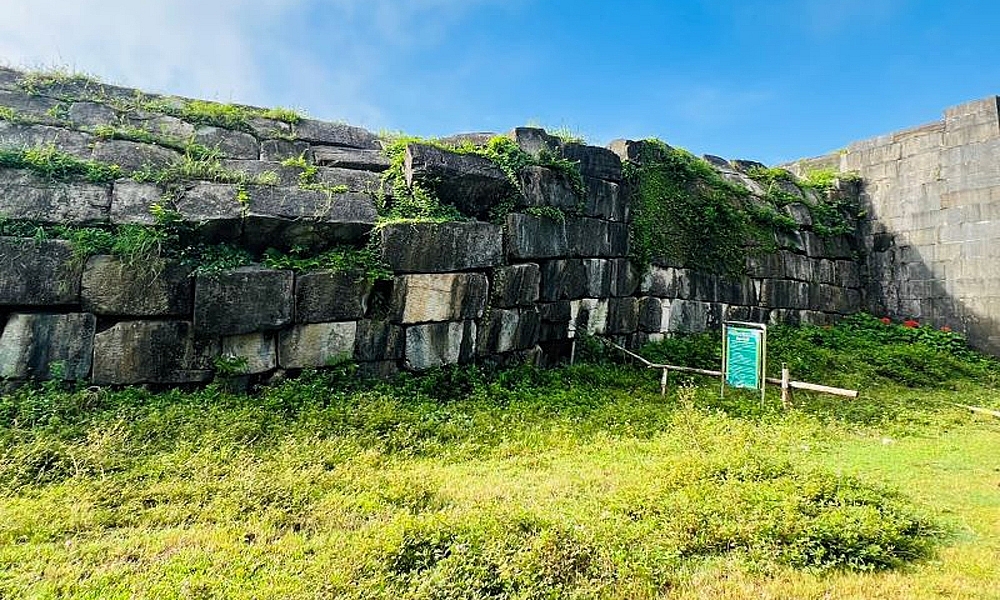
<point x="53" y="164"/>
<point x="685" y="214"/>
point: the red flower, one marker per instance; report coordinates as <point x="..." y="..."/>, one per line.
<point x="886" y="320"/>
<point x="911" y="324"/>
<point x="946" y="329"/>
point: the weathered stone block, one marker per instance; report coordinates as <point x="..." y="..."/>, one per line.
<point x="596" y="238"/>
<point x="130" y="202"/>
<point x="229" y="144"/>
<point x="257" y="349"/>
<point x="594" y="161"/>
<point x="736" y="290"/>
<point x="507" y="330"/>
<point x="279" y="150"/>
<point x="636" y="151"/>
<point x="798" y="266"/>
<point x="516" y="285"/>
<point x="133" y="156"/>
<point x="161" y="125"/>
<point x="438" y="344"/>
<point x="604" y="200"/>
<point x="651" y="314"/>
<point x="23" y="104"/>
<point x="784" y="293"/>
<point x="27" y="197"/>
<point x="336" y="134"/>
<point x="457" y="247"/>
<point x="531" y="237"/>
<point x="378" y="341"/>
<point x="112" y="287"/>
<point x="291" y="216"/>
<point x="14" y="135"/>
<point x="367" y="182"/>
<point x="215" y="208"/>
<point x="439" y="297"/>
<point x="350" y="158"/>
<point x="316" y="345"/>
<point x="242" y="300"/>
<point x="800" y="213"/>
<point x="37" y="346"/>
<point x="38" y="273"/>
<point x="91" y="114"/>
<point x="546" y="187"/>
<point x="691" y="316"/>
<point x="265" y="128"/>
<point x="662" y="282"/>
<point x="471" y="183"/>
<point x="151" y="352"/>
<point x="565" y="279"/>
<point x="589" y="315"/>
<point x="623" y="316"/>
<point x="534" y="140"/>
<point x="324" y="296"/>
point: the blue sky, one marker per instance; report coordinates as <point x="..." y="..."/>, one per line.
<point x="770" y="81"/>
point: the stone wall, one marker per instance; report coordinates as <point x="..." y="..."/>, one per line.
<point x="520" y="288"/>
<point x="932" y="238"/>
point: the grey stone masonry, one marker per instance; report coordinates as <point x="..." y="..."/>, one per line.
<point x="439" y="297"/>
<point x="324" y="296"/>
<point x="165" y="352"/>
<point x="439" y="344"/>
<point x="290" y="216"/>
<point x="316" y="345"/>
<point x="45" y="346"/>
<point x="27" y="197"/>
<point x="151" y="289"/>
<point x="458" y="246"/>
<point x="38" y="273"/>
<point x="474" y="184"/>
<point x="241" y="301"/>
<point x="516" y="285"/>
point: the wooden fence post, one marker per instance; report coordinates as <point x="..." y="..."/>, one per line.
<point x="786" y="390"/>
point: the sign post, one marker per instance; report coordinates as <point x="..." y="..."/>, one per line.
<point x="744" y="356"/>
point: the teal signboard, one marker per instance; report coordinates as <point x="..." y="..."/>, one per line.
<point x="745" y="347"/>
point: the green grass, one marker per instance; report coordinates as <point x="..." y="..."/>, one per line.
<point x="467" y="483"/>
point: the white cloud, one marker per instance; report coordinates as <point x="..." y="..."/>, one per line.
<point x="254" y="51"/>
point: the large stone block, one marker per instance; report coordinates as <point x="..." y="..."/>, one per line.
<point x="378" y="341"/>
<point x="229" y="144"/>
<point x="133" y="156"/>
<point x="135" y="352"/>
<point x="38" y="346"/>
<point x="441" y="247"/>
<point x="324" y="296"/>
<point x="546" y="187"/>
<point x="471" y="183"/>
<point x="623" y="316"/>
<point x="507" y="330"/>
<point x="157" y="289"/>
<point x="316" y="345"/>
<point x="279" y="150"/>
<point x="242" y="300"/>
<point x="13" y="135"/>
<point x="27" y="197"/>
<point x="595" y="238"/>
<point x="291" y="216"/>
<point x="38" y="273"/>
<point x="594" y="161"/>
<point x="258" y="350"/>
<point x="350" y="158"/>
<point x="214" y="207"/>
<point x="589" y="316"/>
<point x="439" y="297"/>
<point x="531" y="237"/>
<point x="439" y="344"/>
<point x="336" y="134"/>
<point x="566" y="279"/>
<point x="651" y="312"/>
<point x="692" y="316"/>
<point x="516" y="285"/>
<point x="605" y="200"/>
<point x="784" y="293"/>
<point x="131" y="202"/>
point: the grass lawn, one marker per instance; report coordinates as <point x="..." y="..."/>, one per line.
<point x="575" y="482"/>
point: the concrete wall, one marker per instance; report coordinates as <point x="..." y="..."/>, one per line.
<point x="933" y="233"/>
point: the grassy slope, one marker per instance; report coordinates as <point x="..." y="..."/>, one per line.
<point x="579" y="482"/>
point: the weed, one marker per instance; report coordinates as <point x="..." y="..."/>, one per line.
<point x="53" y="164"/>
